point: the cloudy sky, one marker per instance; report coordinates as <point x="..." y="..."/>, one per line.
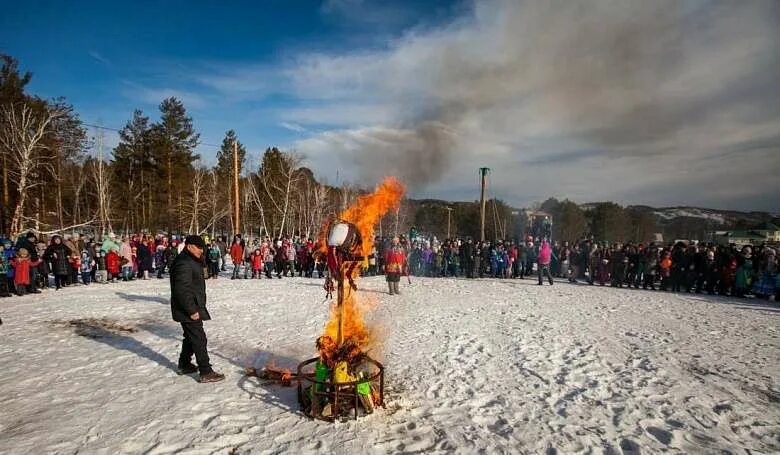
<point x="643" y="102"/>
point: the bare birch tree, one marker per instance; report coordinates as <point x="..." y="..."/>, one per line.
<point x="23" y="138"/>
<point x="278" y="184"/>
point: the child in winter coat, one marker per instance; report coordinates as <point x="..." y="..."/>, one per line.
<point x="766" y="284"/>
<point x="101" y="274"/>
<point x="75" y="264"/>
<point x="291" y="254"/>
<point x="87" y="263"/>
<point x="268" y="259"/>
<point x="744" y="276"/>
<point x="10" y="253"/>
<point x="4" y="266"/>
<point x="603" y="267"/>
<point x="257" y="264"/>
<point x="212" y="259"/>
<point x="665" y="270"/>
<point x="112" y="265"/>
<point x="22" y="265"/>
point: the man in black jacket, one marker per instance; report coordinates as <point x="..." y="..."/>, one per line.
<point x="188" y="306"/>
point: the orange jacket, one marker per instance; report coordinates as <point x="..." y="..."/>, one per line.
<point x="395" y="260"/>
<point x="236" y="253"/>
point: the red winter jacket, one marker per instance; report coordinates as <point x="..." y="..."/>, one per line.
<point x="22" y="270"/>
<point x="395" y="261"/>
<point x="112" y="262"/>
<point x="257" y="262"/>
<point x="236" y="253"/>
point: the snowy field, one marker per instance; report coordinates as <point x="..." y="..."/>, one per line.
<point x="473" y="367"/>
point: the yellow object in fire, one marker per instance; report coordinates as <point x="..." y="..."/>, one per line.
<point x="340" y="373"/>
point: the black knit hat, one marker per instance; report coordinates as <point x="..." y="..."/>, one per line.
<point x="195" y="240"/>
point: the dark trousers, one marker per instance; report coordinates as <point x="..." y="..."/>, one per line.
<point x="544" y="270"/>
<point x="4" y="285"/>
<point x="33" y="279"/>
<point x="194" y="342"/>
<point x="60" y="280"/>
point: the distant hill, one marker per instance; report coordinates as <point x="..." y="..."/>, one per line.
<point x="716" y="217"/>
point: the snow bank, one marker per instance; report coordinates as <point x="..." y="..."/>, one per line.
<point x="473" y="366"/>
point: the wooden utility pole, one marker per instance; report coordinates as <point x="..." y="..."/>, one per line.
<point x="483" y="171"/>
<point x="6" y="196"/>
<point x="236" y="209"/>
<point x="449" y="216"/>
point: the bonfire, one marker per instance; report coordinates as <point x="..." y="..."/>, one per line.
<point x="343" y="379"/>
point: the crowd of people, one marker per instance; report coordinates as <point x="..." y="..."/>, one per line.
<point x="679" y="267"/>
<point x="30" y="264"/>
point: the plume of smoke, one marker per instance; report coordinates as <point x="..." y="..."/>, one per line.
<point x="621" y="77"/>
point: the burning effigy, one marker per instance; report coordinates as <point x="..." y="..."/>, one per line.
<point x="344" y="380"/>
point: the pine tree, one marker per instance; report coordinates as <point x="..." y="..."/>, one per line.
<point x="224" y="168"/>
<point x="609" y="222"/>
<point x="225" y="155"/>
<point x="133" y="167"/>
<point x="570" y="222"/>
<point x="174" y="141"/>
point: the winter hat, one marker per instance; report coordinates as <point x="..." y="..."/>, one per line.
<point x="195" y="240"/>
<point x="111" y="235"/>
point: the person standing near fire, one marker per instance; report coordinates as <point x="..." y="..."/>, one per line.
<point x="395" y="265"/>
<point x="188" y="307"/>
<point x="237" y="256"/>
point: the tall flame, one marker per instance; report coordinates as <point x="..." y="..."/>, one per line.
<point x="369" y="209"/>
<point x="365" y="215"/>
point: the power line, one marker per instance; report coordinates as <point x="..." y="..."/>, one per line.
<point x="118" y="130"/>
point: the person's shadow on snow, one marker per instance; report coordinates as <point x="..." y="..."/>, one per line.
<point x="125" y="343"/>
<point x="143" y="298"/>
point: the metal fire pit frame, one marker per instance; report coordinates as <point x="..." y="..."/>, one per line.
<point x="336" y="388"/>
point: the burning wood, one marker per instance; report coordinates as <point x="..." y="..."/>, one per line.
<point x="271" y="373"/>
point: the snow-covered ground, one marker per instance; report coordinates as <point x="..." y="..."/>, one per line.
<point x="480" y="366"/>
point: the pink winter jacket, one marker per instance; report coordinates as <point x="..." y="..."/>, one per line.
<point x="544" y="253"/>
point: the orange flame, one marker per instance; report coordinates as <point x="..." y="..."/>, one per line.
<point x="369" y="209"/>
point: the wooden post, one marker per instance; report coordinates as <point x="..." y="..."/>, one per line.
<point x="483" y="172"/>
<point x="6" y="197"/>
<point x="340" y="305"/>
<point x="236" y="210"/>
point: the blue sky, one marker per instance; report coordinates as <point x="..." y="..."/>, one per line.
<point x="669" y="102"/>
<point x="109" y="58"/>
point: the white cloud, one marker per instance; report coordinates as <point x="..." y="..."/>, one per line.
<point x="293" y="127"/>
